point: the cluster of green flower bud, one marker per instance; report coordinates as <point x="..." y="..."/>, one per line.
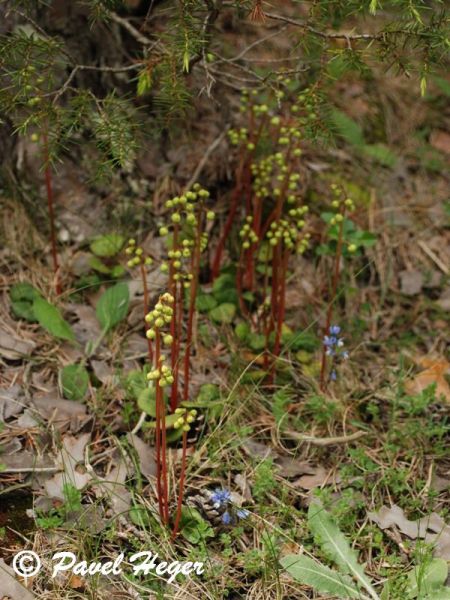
<point x="298" y="214"/>
<point x="238" y="136"/>
<point x="186" y="417"/>
<point x="246" y="100"/>
<point x="341" y="205"/>
<point x="162" y="375"/>
<point x="159" y="317"/>
<point x="284" y="231"/>
<point x="287" y="136"/>
<point x="186" y="204"/>
<point x="137" y="254"/>
<point x="248" y="234"/>
<point x="270" y="177"/>
<point x="177" y="259"/>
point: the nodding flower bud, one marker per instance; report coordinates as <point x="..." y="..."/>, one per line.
<point x="339" y="218"/>
<point x="163" y="231"/>
<point x="210" y="215"/>
<point x="176" y="217"/>
<point x="148" y="260"/>
<point x="159" y="322"/>
<point x="130" y="263"/>
<point x="167" y="340"/>
<point x="167" y="298"/>
<point x="164" y="268"/>
<point x="139" y="251"/>
<point x="131" y="242"/>
<point x="129" y="250"/>
<point x="150" y="334"/>
<point x="352" y="248"/>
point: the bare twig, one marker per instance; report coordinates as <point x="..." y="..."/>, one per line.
<point x="328" y="441"/>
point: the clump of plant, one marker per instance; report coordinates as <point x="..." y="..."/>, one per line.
<point x="186" y="240"/>
<point x="269" y="197"/>
<point x="348" y="579"/>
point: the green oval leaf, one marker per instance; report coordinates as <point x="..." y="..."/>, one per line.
<point x="74" y="382"/>
<point x="224" y="313"/>
<point x="50" y="318"/>
<point x="113" y="306"/>
<point x="107" y="245"/>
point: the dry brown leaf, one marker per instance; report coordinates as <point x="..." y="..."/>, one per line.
<point x="14" y="348"/>
<point x="411" y="282"/>
<point x="146" y="455"/>
<point x="434" y="372"/>
<point x="12" y="402"/>
<point x="440" y="140"/>
<point x="309" y="482"/>
<point x="431" y="528"/>
<point x="292" y="467"/>
<point x="10" y="587"/>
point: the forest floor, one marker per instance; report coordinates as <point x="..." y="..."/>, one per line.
<point x="373" y="448"/>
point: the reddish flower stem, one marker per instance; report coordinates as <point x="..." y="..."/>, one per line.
<point x="51" y="213"/>
<point x="190" y="323"/>
<point x="158" y="432"/>
<point x="181" y="489"/>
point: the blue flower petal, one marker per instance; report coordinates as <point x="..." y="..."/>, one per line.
<point x="226" y="518"/>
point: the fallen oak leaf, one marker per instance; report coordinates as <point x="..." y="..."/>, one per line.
<point x="431" y="528"/>
<point x="433" y="373"/>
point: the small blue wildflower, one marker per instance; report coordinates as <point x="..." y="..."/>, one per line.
<point x="344" y="355"/>
<point x="221" y="497"/>
<point x="333" y="375"/>
<point x="226" y="518"/>
<point x="335" y="330"/>
<point x="242" y="513"/>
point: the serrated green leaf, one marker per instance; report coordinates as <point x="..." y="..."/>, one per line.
<point x="50" y="319"/>
<point x="322" y="579"/>
<point x="107" y="245"/>
<point x="224" y="313"/>
<point x="335" y="545"/>
<point x="74" y="382"/>
<point x="424" y="579"/>
<point x="112" y="306"/>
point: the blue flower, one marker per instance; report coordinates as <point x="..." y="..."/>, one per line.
<point x="333" y="375"/>
<point x="242" y="513"/>
<point x="226" y="518"/>
<point x="335" y="330"/>
<point x="221" y="497"/>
